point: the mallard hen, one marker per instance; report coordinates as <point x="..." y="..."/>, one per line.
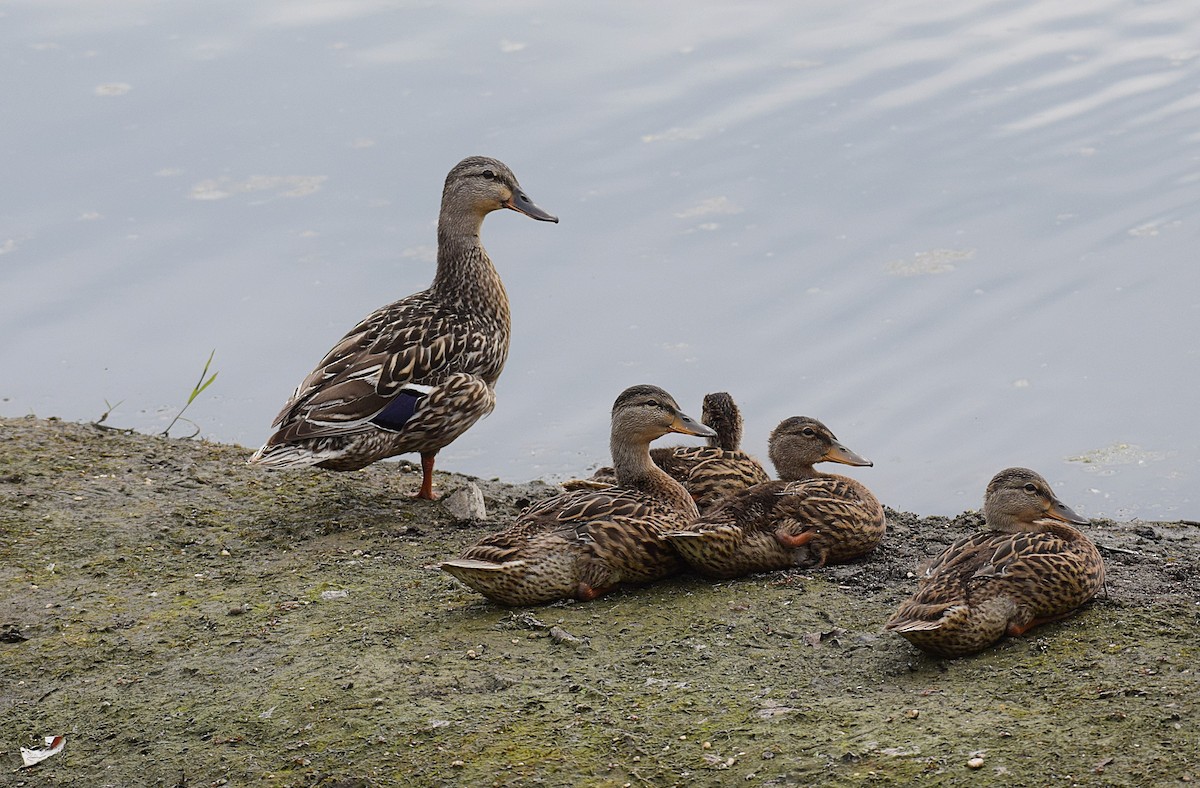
<point x="709" y="472"/>
<point x="808" y="518"/>
<point x="1029" y="567"/>
<point x="416" y="374"/>
<point x="582" y="544"/>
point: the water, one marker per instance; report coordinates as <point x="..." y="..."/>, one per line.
<point x="962" y="234"/>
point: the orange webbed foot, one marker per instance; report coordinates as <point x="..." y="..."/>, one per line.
<point x="586" y="592"/>
<point x="1016" y="630"/>
<point x="790" y="540"/>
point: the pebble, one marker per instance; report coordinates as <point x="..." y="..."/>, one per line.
<point x="975" y="763"/>
<point x="466" y="503"/>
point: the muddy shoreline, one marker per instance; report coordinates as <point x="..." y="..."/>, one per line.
<point x="187" y="620"/>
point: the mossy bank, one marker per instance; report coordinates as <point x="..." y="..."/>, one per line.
<point x="187" y="620"/>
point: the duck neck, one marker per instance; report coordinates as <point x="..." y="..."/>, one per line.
<point x="1064" y="531"/>
<point x="636" y="470"/>
<point x="465" y="275"/>
<point x="799" y="472"/>
<point x="729" y="433"/>
<point x="1046" y="525"/>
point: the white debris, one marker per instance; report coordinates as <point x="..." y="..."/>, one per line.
<point x="54" y="745"/>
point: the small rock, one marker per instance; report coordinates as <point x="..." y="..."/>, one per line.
<point x="11" y="633"/>
<point x="466" y="503"/>
<point x="563" y="637"/>
<point x="527" y="620"/>
<point x="975" y="763"/>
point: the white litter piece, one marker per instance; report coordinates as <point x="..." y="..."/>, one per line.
<point x="54" y="745"/>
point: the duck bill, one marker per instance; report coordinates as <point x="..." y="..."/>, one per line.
<point x="520" y="202"/>
<point x="689" y="426"/>
<point x="1060" y="511"/>
<point x="839" y="453"/>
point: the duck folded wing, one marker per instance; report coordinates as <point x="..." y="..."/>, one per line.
<point x="373" y="365"/>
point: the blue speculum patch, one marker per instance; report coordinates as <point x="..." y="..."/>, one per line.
<point x="400" y="410"/>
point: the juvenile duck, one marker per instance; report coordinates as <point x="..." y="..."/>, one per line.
<point x="709" y="472"/>
<point x="1029" y="567"/>
<point x="582" y="544"/>
<point x="808" y="518"/>
<point x="415" y="374"/>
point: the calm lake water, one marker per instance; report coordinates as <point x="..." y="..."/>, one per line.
<point x="964" y="235"/>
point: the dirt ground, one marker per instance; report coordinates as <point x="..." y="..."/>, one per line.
<point x="187" y="620"/>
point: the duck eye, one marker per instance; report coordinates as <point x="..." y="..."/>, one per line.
<point x="653" y="404"/>
<point x="1030" y="487"/>
<point x="491" y="176"/>
<point x="808" y="432"/>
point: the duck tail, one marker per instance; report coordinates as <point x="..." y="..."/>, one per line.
<point x="921" y="618"/>
<point x="288" y="455"/>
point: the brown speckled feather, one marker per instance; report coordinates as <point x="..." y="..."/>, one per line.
<point x="835" y="518"/>
<point x="416" y="340"/>
<point x="614" y="533"/>
<point x="995" y="582"/>
<point x="583" y="543"/>
<point x="710" y="472"/>
<point x="812" y="519"/>
<point x="435" y="355"/>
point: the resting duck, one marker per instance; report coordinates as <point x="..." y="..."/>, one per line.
<point x="1029" y="567"/>
<point x="808" y="518"/>
<point x="415" y="374"/>
<point x="709" y="472"/>
<point x="582" y="544"/>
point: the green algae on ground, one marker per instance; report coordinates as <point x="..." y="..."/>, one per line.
<point x="187" y="620"/>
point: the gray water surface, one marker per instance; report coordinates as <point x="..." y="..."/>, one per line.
<point x="964" y="235"/>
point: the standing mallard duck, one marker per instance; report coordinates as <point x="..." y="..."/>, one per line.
<point x="415" y="374"/>
<point x="709" y="472"/>
<point x="1031" y="566"/>
<point x="806" y="518"/>
<point x="582" y="544"/>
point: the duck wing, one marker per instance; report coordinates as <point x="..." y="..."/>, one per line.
<point x="401" y="349"/>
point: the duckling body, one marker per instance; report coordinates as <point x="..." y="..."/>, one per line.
<point x="584" y="543"/>
<point x="808" y="518"/>
<point x="1031" y="566"/>
<point x="709" y="472"/>
<point x="416" y="374"/>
